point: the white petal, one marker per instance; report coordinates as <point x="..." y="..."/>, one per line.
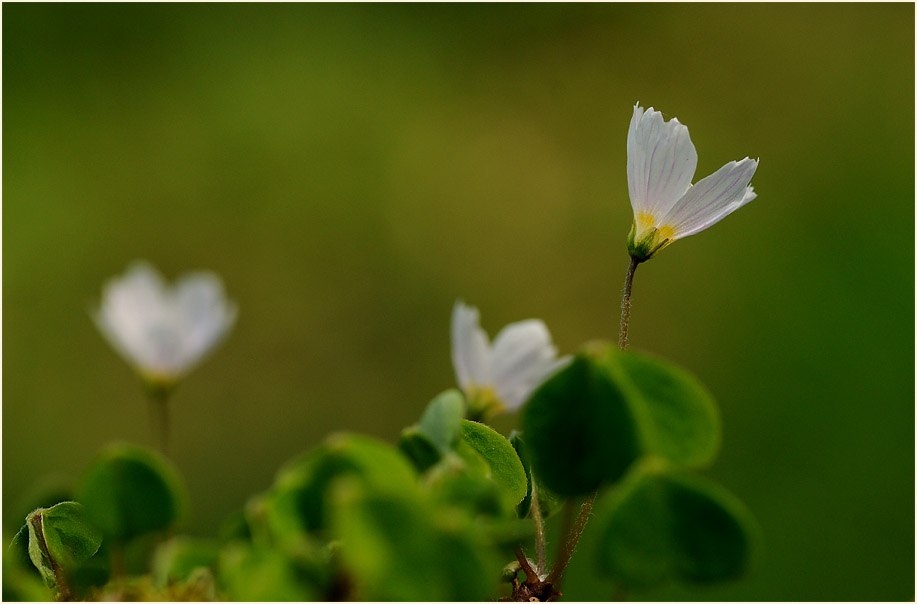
<point x="713" y="198"/>
<point x="522" y="357"/>
<point x="470" y="348"/>
<point x="661" y="161"/>
<point x="130" y="304"/>
<point x="203" y="313"/>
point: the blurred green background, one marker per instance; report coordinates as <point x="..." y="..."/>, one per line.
<point x="351" y="170"/>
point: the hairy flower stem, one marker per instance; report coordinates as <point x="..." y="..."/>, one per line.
<point x="570" y="541"/>
<point x="625" y="303"/>
<point x="539" y="531"/>
<point x="571" y="535"/>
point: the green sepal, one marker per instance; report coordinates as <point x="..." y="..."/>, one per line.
<point x="663" y="524"/>
<point x="131" y="491"/>
<point x="647" y="246"/>
<point x="503" y="464"/>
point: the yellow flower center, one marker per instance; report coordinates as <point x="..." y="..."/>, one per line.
<point x="645" y="238"/>
<point x="646" y="222"/>
<point x="483" y="402"/>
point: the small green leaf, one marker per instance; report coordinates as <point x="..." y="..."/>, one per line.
<point x="684" y="424"/>
<point x="662" y="525"/>
<point x="468" y="460"/>
<point x="501" y="458"/>
<point x="441" y="423"/>
<point x="69" y="534"/>
<point x="580" y="429"/>
<point x="60" y="539"/>
<point x="297" y="502"/>
<point x="398" y="548"/>
<point x="589" y="422"/>
<point x="130" y="491"/>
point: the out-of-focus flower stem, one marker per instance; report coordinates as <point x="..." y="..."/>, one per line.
<point x="159" y="412"/>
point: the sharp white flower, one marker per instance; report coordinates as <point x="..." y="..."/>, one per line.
<point x="661" y="161"/>
<point x="500" y="376"/>
<point x="162" y="330"/>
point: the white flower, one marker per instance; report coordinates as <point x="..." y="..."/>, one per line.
<point x="503" y="375"/>
<point x="660" y="165"/>
<point x="164" y="331"/>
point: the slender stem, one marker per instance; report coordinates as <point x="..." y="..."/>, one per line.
<point x="159" y="409"/>
<point x="539" y="531"/>
<point x="570" y="543"/>
<point x="625" y="303"/>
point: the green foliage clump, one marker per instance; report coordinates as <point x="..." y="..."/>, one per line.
<point x="434" y="518"/>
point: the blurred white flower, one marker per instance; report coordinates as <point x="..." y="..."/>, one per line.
<point x="660" y="165"/>
<point x="162" y="330"/>
<point x="503" y="375"/>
